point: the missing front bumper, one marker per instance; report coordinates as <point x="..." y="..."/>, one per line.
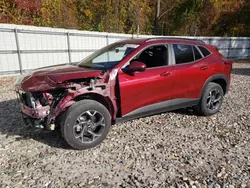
<point x="33" y="117"/>
<point x="32" y="122"/>
<point x="38" y="113"/>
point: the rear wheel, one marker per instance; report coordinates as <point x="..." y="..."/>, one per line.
<point x="86" y="124"/>
<point x="211" y="100"/>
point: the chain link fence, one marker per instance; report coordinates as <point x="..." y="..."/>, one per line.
<point x="24" y="48"/>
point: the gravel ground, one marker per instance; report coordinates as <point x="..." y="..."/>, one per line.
<point x="175" y="149"/>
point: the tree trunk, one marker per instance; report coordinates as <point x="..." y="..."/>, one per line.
<point x="157" y="15"/>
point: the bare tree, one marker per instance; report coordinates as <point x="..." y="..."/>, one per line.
<point x="161" y="11"/>
<point x="157" y="15"/>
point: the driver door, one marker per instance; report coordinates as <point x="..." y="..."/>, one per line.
<point x="150" y="90"/>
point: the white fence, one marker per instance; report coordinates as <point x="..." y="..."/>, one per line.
<point x="28" y="47"/>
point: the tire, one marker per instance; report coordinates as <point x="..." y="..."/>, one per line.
<point x="211" y="100"/>
<point x="86" y="124"/>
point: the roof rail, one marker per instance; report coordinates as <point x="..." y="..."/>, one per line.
<point x="173" y="38"/>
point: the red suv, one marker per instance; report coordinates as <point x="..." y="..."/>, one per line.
<point x="122" y="81"/>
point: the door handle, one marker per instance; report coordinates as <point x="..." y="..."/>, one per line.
<point x="204" y="68"/>
<point x="165" y="74"/>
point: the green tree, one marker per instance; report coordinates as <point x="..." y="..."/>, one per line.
<point x="59" y="13"/>
<point x="20" y="11"/>
<point x="161" y="17"/>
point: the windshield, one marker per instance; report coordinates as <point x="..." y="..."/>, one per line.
<point x="108" y="57"/>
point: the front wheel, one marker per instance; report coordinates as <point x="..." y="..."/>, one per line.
<point x="211" y="100"/>
<point x="86" y="124"/>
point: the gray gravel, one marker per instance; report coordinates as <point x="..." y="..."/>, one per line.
<point x="175" y="149"/>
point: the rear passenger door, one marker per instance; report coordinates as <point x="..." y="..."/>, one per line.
<point x="191" y="70"/>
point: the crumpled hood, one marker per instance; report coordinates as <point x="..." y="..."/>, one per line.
<point x="64" y="72"/>
<point x="48" y="77"/>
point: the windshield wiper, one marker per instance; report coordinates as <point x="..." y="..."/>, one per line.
<point x="74" y="64"/>
<point x="85" y="66"/>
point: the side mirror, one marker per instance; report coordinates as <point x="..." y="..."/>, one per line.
<point x="137" y="66"/>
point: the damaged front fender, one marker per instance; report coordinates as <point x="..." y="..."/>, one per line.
<point x="48" y="99"/>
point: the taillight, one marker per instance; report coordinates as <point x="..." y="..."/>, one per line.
<point x="229" y="64"/>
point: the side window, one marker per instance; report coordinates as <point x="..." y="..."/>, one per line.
<point x="204" y="51"/>
<point x="197" y="54"/>
<point x="154" y="56"/>
<point x="183" y="53"/>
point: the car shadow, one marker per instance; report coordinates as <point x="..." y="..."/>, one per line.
<point x="241" y="71"/>
<point x="186" y="111"/>
<point x="11" y="124"/>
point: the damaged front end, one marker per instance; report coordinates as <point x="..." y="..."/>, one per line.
<point x="37" y="107"/>
<point x="43" y="102"/>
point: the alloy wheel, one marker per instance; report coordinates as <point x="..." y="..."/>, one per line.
<point x="89" y="126"/>
<point x="214" y="99"/>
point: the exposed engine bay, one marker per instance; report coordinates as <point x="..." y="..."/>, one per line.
<point x="43" y="109"/>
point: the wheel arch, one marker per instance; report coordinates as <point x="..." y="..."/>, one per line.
<point x="220" y="79"/>
<point x="99" y="98"/>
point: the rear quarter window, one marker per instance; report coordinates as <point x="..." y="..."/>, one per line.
<point x="183" y="53"/>
<point x="204" y="51"/>
<point x="197" y="54"/>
